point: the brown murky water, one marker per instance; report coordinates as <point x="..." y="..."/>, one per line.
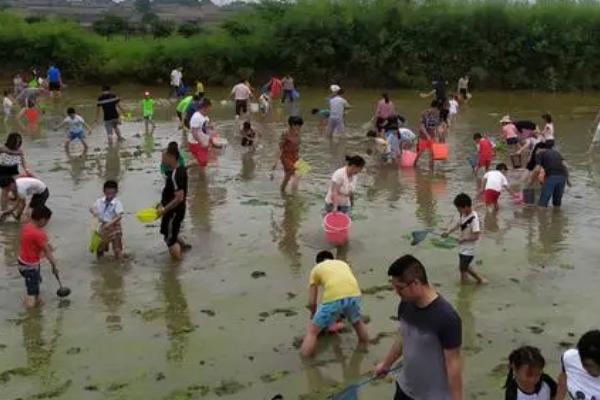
<point x="207" y="329"/>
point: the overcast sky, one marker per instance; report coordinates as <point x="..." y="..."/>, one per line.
<point x="217" y="2"/>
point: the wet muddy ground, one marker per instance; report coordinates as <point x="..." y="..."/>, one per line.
<point x="226" y="323"/>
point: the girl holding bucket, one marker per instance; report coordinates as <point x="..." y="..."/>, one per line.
<point x="343" y="181"/>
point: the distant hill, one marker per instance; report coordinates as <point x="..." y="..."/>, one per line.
<point x="88" y="11"/>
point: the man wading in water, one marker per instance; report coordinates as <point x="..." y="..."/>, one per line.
<point x="431" y="333"/>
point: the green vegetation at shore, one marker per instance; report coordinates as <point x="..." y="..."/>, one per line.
<point x="549" y="45"/>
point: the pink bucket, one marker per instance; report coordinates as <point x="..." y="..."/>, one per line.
<point x="517" y="199"/>
<point x="407" y="159"/>
<point x="336" y="226"/>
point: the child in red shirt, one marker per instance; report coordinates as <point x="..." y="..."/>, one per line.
<point x="33" y="246"/>
<point x="485" y="152"/>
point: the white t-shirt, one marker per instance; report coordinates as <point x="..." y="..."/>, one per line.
<point x="345" y="186"/>
<point x="107" y="211"/>
<point x="495" y="180"/>
<point x="544" y="394"/>
<point x="578" y="380"/>
<point x="548" y="131"/>
<point x="198" y="123"/>
<point x="241" y="92"/>
<point x="75" y="124"/>
<point x="7" y="103"/>
<point x="453" y="107"/>
<point x="337" y="105"/>
<point x="407" y="134"/>
<point x="471" y="226"/>
<point x="29" y="186"/>
<point x="176" y="77"/>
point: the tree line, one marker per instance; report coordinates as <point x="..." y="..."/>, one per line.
<point x="547" y="45"/>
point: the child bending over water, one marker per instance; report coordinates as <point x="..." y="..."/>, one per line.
<point x="341" y="296"/>
<point x="248" y="135"/>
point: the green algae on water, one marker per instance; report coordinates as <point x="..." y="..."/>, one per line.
<point x="274" y="376"/>
<point x="227" y="388"/>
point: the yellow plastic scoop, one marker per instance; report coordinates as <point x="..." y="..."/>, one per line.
<point x="147" y="215"/>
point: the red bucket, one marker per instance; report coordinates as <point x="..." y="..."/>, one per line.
<point x="337" y="227"/>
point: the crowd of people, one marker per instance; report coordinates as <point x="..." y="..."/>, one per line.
<point x="429" y="326"/>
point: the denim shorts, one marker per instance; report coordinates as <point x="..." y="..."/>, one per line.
<point x="330" y="312"/>
<point x="73" y="135"/>
<point x="340" y="208"/>
<point x="33" y="278"/>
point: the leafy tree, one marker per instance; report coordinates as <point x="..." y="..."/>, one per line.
<point x="188" y="29"/>
<point x="110" y="25"/>
<point x="162" y="28"/>
<point x="143" y="6"/>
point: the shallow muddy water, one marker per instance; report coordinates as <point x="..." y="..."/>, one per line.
<point x="207" y="328"/>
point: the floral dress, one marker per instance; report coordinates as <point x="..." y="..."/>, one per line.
<point x="290" y="152"/>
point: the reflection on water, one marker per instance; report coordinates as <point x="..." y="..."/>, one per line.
<point x="112" y="163"/>
<point x="350" y="367"/>
<point x="294" y="207"/>
<point x="40" y="349"/>
<point x="248" y="166"/>
<point x="77" y="164"/>
<point x="426" y="198"/>
<point x="177" y="315"/>
<point x="553" y="232"/>
<point x="108" y="287"/>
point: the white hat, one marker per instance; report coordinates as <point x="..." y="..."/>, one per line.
<point x="505" y="120"/>
<point x="334" y="88"/>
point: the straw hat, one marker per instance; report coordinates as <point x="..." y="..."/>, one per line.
<point x="506" y="120"/>
<point x="335" y="88"/>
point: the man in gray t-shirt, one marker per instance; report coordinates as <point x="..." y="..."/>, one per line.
<point x="431" y="335"/>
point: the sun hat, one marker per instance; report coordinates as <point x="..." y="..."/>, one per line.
<point x="335" y="88"/>
<point x="506" y="120"/>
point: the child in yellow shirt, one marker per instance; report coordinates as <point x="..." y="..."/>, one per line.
<point x="340" y="297"/>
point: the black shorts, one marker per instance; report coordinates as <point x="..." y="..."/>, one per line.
<point x="247" y="142"/>
<point x="9" y="171"/>
<point x="170" y="225"/>
<point x="38" y="200"/>
<point x="54" y="86"/>
<point x="400" y="395"/>
<point x="464" y="262"/>
<point x="512" y="141"/>
<point x="179" y="116"/>
<point x="33" y="278"/>
<point x="241" y="107"/>
<point x="463" y="93"/>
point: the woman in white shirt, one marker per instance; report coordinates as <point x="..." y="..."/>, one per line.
<point x="343" y="181"/>
<point x="580" y="376"/>
<point x="548" y="131"/>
